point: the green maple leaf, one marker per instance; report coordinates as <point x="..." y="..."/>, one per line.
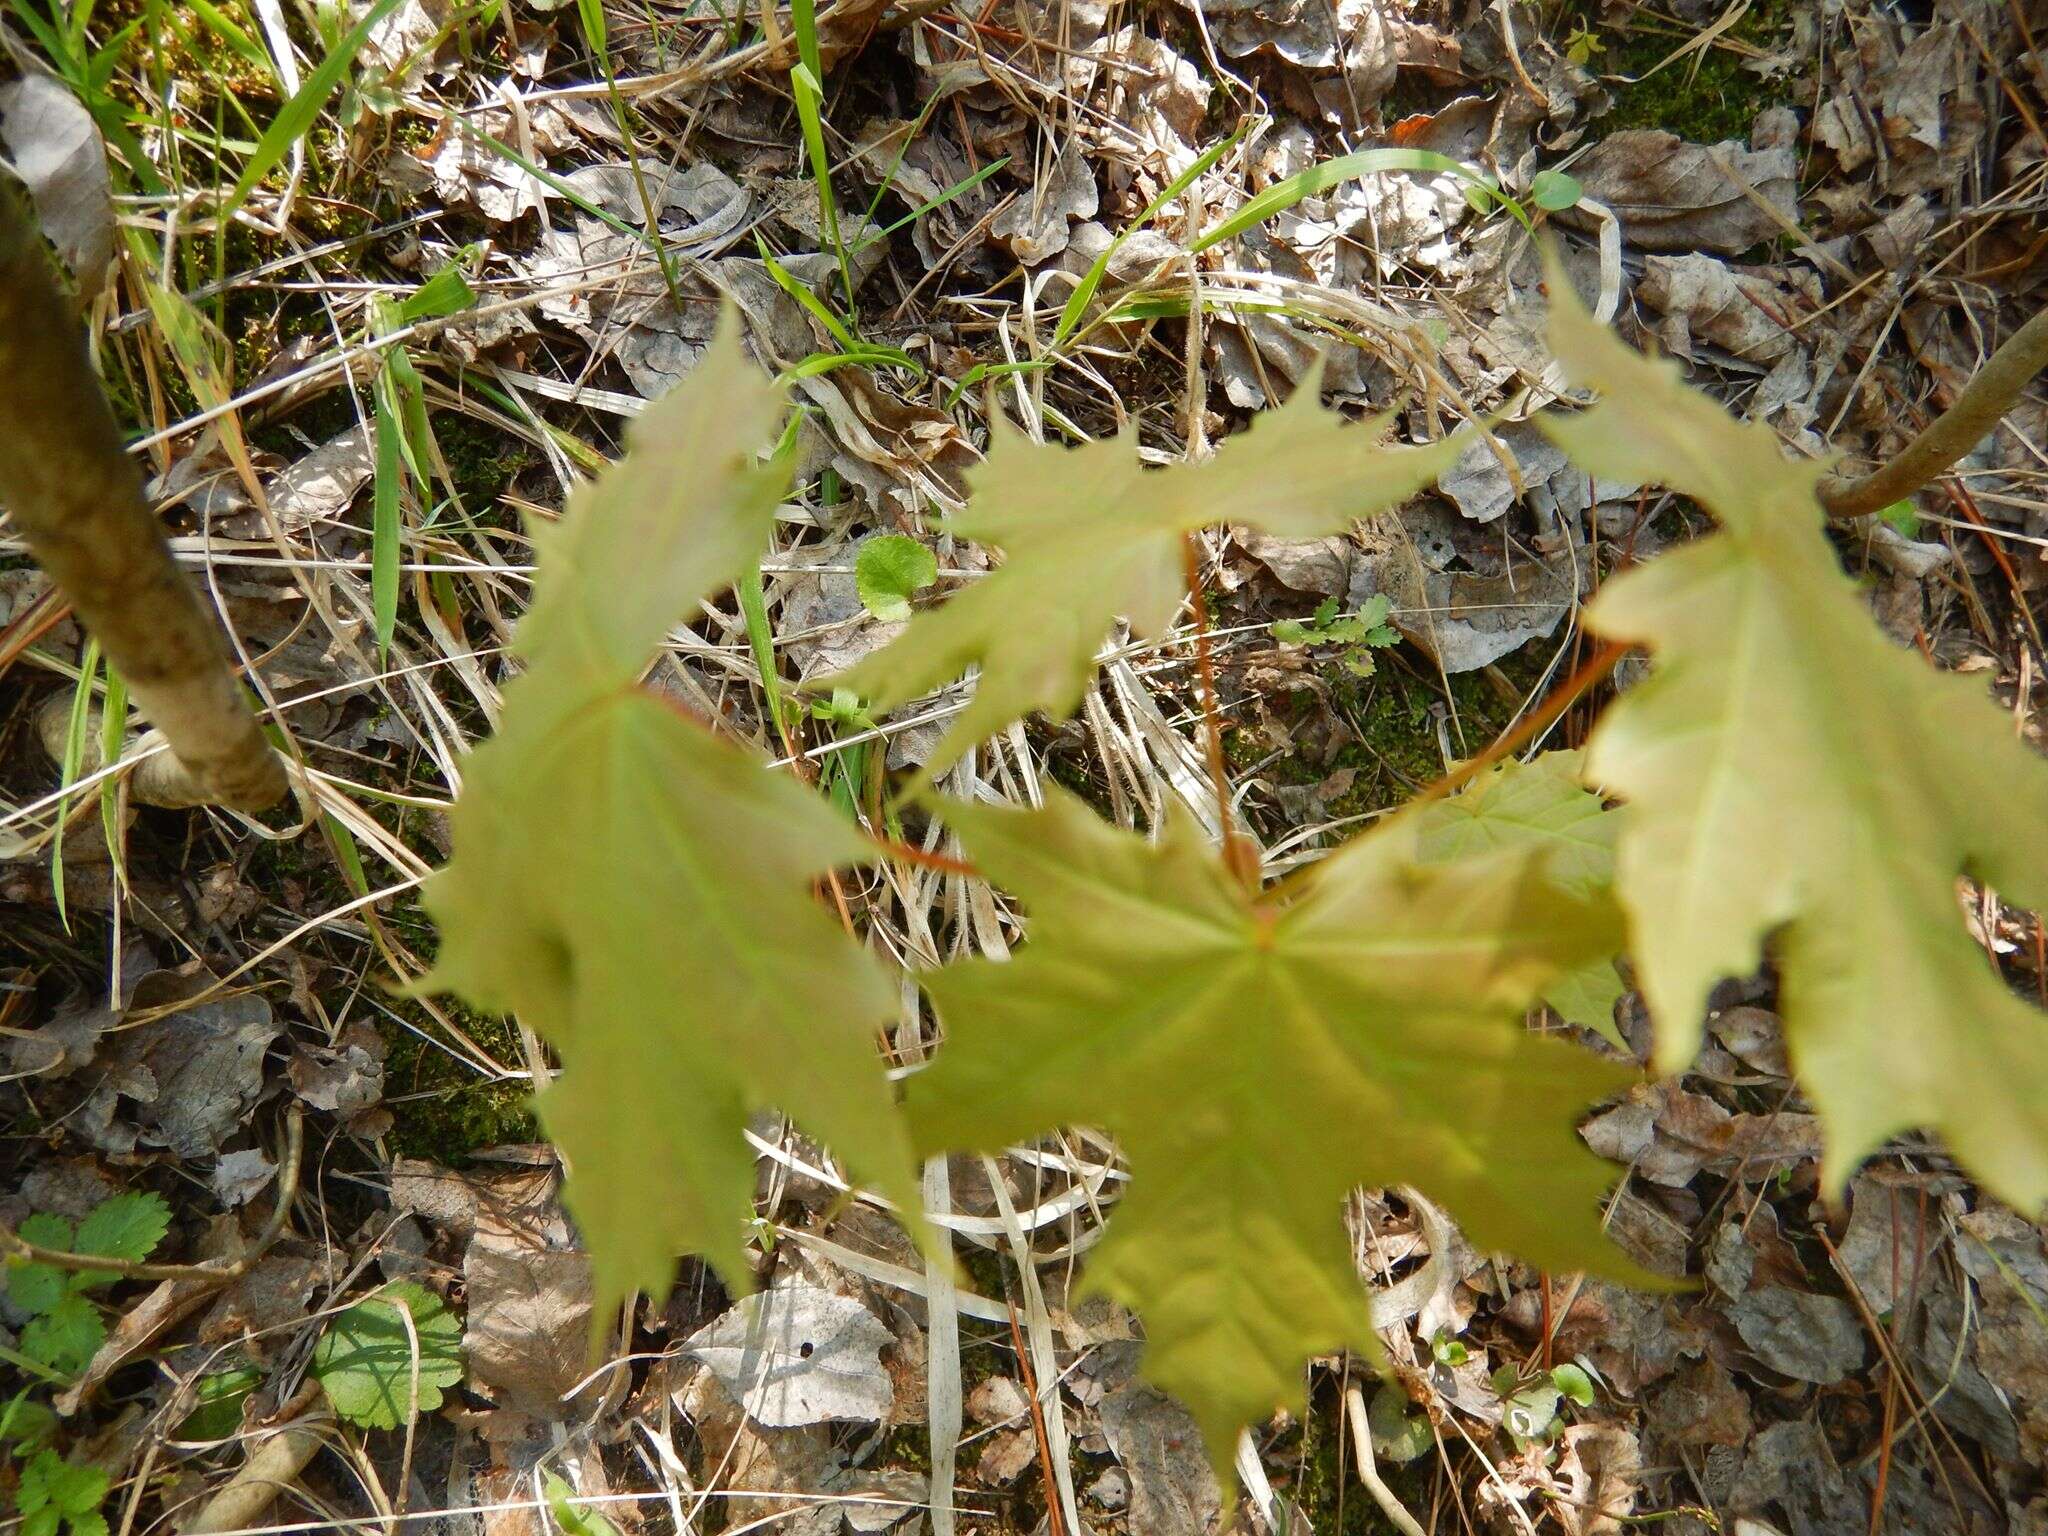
<point x="1258" y="1060"/>
<point x="365" y="1361"/>
<point x="1089" y="534"/>
<point x="1791" y="774"/>
<point x="1540" y="805"/>
<point x="642" y="891"/>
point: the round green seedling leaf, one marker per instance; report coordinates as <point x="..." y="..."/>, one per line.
<point x="1574" y="1383"/>
<point x="1554" y="191"/>
<point x="366" y="1360"/>
<point x="1399" y="1433"/>
<point x="889" y="571"/>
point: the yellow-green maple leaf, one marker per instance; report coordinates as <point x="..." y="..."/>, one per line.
<point x="640" y="890"/>
<point x="1539" y="805"/>
<point x="1258" y="1060"/>
<point x="1792" y="774"/>
<point x="1089" y="534"/>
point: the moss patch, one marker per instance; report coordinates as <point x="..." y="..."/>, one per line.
<point x="1390" y="722"/>
<point x="1704" y="98"/>
<point x="443" y="1109"/>
<point x="1314" y="1469"/>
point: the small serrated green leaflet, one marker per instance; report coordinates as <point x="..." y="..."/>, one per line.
<point x="66" y="1337"/>
<point x="890" y="570"/>
<point x="1791" y="775"/>
<point x="1089" y="534"/>
<point x="126" y="1227"/>
<point x="35" y="1288"/>
<point x="377" y="1372"/>
<point x="1258" y="1060"/>
<point x="644" y="892"/>
<point x="1540" y="806"/>
<point x="54" y="1491"/>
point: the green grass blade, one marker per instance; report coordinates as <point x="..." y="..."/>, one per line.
<point x="567" y="193"/>
<point x="445" y="293"/>
<point x="981" y="371"/>
<point x="802" y="294"/>
<point x="385" y="532"/>
<point x="924" y="115"/>
<point x="348" y="856"/>
<point x="1318" y="179"/>
<point x="861" y="357"/>
<point x="297" y="115"/>
<point x="74" y="757"/>
<point x="761" y="639"/>
<point x="938" y="200"/>
<point x="222" y="26"/>
<point x="113" y="735"/>
<point x="1084" y="292"/>
<point x="807" y="84"/>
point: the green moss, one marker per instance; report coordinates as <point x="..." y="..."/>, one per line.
<point x="482" y="461"/>
<point x="443" y="1109"/>
<point x="1704" y="98"/>
<point x="1313" y="1467"/>
<point x="1394" y="748"/>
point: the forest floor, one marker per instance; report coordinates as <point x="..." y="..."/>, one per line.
<point x="505" y="226"/>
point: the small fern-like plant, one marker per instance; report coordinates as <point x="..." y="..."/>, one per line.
<point x="646" y="892"/>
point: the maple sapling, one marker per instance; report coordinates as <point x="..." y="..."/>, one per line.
<point x="75" y="496"/>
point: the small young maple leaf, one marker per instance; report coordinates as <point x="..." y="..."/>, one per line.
<point x="1257" y="1060"/>
<point x="642" y="890"/>
<point x="1089" y="534"/>
<point x="1539" y="805"/>
<point x="1792" y="774"/>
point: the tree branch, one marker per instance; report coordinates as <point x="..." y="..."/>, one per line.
<point x="76" y="497"/>
<point x="1979" y="408"/>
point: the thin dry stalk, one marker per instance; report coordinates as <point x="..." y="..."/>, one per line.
<point x="1977" y="411"/>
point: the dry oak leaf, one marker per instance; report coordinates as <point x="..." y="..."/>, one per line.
<point x="1089" y="534"/>
<point x="641" y="890"/>
<point x="1258" y="1059"/>
<point x="1791" y="775"/>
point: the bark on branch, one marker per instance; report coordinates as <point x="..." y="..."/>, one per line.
<point x="76" y="497"/>
<point x="1979" y="408"/>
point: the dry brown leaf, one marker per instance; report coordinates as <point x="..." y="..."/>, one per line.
<point x="1675" y="196"/>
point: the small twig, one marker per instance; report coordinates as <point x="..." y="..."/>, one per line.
<point x="1369" y="1467"/>
<point x="267" y="1472"/>
<point x="905" y="853"/>
<point x="18" y="1249"/>
<point x="1561" y="699"/>
<point x="1236" y="853"/>
<point x="1054" y="1519"/>
<point x="1976" y="411"/>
